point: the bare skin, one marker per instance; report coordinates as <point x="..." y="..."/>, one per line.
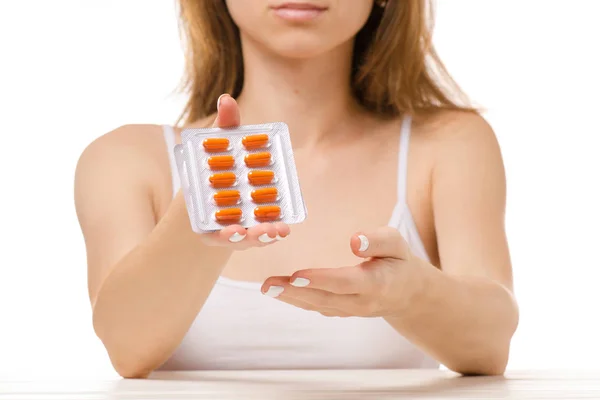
<point x="149" y="274"/>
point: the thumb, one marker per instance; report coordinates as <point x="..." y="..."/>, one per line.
<point x="228" y="112"/>
<point x="385" y="242"/>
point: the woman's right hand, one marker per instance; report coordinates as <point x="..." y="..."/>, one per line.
<point x="148" y="279"/>
<point x="236" y="236"/>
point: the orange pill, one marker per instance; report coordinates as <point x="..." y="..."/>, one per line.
<point x="255" y="141"/>
<point x="227" y="198"/>
<point x="261" y="177"/>
<point x="216" y="144"/>
<point x="222" y="180"/>
<point x="229" y="215"/>
<point x="221" y="162"/>
<point x="267" y="213"/>
<point x="258" y="159"/>
<point x="267" y="195"/>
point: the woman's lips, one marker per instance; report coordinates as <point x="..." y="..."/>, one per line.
<point x="298" y="12"/>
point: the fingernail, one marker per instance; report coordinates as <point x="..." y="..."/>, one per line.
<point x="281" y="237"/>
<point x="236" y="237"/>
<point x="274" y="291"/>
<point x="219" y="100"/>
<point x="300" y="282"/>
<point x="364" y="243"/>
<point x="264" y="238"/>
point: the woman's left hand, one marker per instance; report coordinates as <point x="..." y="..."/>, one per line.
<point x="382" y="286"/>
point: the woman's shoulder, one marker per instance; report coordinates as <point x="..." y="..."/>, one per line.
<point x="448" y="134"/>
<point x="135" y="152"/>
<point x="142" y="134"/>
<point x="138" y="149"/>
<point x="132" y="157"/>
<point x="460" y="141"/>
<point x="454" y="138"/>
<point x="127" y="143"/>
<point x="445" y="122"/>
<point x="447" y="126"/>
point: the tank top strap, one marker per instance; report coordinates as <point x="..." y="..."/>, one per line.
<point x="403" y="159"/>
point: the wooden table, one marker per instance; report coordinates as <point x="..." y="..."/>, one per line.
<point x="342" y="385"/>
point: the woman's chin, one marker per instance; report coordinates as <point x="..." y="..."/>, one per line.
<point x="298" y="49"/>
<point x="299" y="54"/>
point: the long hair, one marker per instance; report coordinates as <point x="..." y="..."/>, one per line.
<point x="395" y="68"/>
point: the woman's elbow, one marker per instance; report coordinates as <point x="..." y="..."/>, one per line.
<point x="131" y="369"/>
<point x="492" y="365"/>
<point x="127" y="362"/>
<point x="490" y="356"/>
<point x="130" y="364"/>
<point x="487" y="362"/>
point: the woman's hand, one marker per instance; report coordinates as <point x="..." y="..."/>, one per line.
<point x="381" y="286"/>
<point x="236" y="236"/>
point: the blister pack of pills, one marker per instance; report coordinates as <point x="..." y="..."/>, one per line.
<point x="244" y="175"/>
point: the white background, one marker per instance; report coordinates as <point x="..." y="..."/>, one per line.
<point x="73" y="70"/>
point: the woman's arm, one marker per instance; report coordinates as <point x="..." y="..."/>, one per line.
<point x="466" y="313"/>
<point x="147" y="280"/>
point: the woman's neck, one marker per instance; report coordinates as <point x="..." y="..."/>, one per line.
<point x="313" y="96"/>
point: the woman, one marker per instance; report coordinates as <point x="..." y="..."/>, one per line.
<point x="387" y="159"/>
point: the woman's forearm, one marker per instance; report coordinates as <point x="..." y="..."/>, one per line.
<point x="464" y="322"/>
<point x="149" y="299"/>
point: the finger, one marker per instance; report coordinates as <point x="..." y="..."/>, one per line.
<point x="309" y="307"/>
<point x="326" y="312"/>
<point x="275" y="292"/>
<point x="228" y="113"/>
<point x="359" y="279"/>
<point x="258" y="236"/>
<point x="276" y="285"/>
<point x="283" y="230"/>
<point x="383" y="242"/>
<point x="227" y="236"/>
<point x="280" y="288"/>
<point x="333" y="314"/>
<point x="262" y="234"/>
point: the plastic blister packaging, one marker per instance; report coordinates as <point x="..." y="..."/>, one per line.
<point x="244" y="175"/>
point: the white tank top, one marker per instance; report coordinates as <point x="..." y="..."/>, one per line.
<point x="241" y="329"/>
